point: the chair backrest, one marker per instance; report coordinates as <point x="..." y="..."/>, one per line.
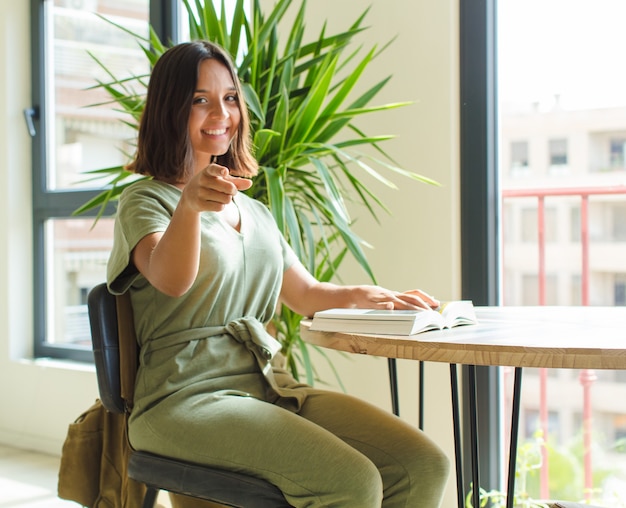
<point x="108" y="353"/>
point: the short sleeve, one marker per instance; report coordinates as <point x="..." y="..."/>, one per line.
<point x="289" y="256"/>
<point x="144" y="207"/>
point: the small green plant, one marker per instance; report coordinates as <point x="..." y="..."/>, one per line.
<point x="566" y="477"/>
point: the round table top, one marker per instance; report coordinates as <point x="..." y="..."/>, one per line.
<point x="546" y="336"/>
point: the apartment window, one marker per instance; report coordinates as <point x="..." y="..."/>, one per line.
<point x="532" y="423"/>
<point x="557" y="152"/>
<point x="576" y="290"/>
<point x="618" y="216"/>
<point x="575" y="224"/>
<point x="530" y="225"/>
<point x="71" y="137"/>
<point x="531" y="290"/>
<point x="519" y="156"/>
<point x="619" y="290"/>
<point x="619" y="425"/>
<point x="617" y="153"/>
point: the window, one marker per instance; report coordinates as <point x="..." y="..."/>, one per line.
<point x="580" y="139"/>
<point x="575" y="224"/>
<point x="519" y="156"/>
<point x="618" y="216"/>
<point x="71" y="137"/>
<point x="619" y="291"/>
<point x="530" y="289"/>
<point x="617" y="152"/>
<point x="557" y="152"/>
<point x="575" y="290"/>
<point x="529" y="226"/>
<point x="532" y="420"/>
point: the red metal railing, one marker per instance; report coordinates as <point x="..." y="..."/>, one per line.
<point x="587" y="377"/>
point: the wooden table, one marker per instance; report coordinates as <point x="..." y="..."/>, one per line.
<point x="541" y="337"/>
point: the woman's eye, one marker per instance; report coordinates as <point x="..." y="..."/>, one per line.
<point x="199" y="100"/>
<point x="232" y="98"/>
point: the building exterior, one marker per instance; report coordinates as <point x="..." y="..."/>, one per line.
<point x="563" y="181"/>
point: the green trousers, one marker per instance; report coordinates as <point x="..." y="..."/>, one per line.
<point x="336" y="451"/>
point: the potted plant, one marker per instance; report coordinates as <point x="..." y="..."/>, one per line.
<point x="308" y="146"/>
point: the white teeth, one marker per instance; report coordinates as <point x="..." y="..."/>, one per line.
<point x="216" y="132"/>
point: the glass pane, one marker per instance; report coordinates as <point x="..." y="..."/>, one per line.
<point x="562" y="106"/>
<point x="76" y="262"/>
<point x="81" y="136"/>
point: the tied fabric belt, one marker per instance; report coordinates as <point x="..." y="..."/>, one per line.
<point x="250" y="332"/>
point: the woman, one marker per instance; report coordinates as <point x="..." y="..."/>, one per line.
<point x="206" y="266"/>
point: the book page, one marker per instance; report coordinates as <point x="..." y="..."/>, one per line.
<point x="457" y="313"/>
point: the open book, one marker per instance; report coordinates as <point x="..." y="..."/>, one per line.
<point x="395" y="322"/>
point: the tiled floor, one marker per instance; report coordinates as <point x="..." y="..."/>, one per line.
<point x="29" y="480"/>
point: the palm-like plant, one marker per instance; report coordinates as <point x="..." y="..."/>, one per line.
<point x="306" y="141"/>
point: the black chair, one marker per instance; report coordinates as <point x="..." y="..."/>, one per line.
<point x="157" y="472"/>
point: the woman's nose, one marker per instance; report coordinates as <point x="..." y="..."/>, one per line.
<point x="218" y="111"/>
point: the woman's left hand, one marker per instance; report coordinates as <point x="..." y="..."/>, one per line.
<point x="380" y="298"/>
<point x="422" y="297"/>
<point x="302" y="293"/>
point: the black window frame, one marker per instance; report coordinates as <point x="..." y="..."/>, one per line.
<point x="480" y="213"/>
<point x="59" y="204"/>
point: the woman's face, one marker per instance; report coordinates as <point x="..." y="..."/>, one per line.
<point x="215" y="114"/>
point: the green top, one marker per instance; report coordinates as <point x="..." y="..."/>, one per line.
<point x="211" y="339"/>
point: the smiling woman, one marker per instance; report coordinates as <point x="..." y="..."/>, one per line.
<point x="204" y="267"/>
<point x="313" y="157"/>
<point x="43" y="383"/>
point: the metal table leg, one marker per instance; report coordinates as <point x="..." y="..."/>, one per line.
<point x="421" y="396"/>
<point x="474" y="435"/>
<point x="393" y="384"/>
<point x="517" y="388"/>
<point x="473" y="416"/>
<point x="456" y="423"/>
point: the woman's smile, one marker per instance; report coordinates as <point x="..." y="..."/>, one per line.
<point x="214" y="132"/>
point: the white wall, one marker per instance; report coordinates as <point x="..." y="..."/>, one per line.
<point x="417" y="246"/>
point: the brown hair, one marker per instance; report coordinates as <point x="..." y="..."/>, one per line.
<point x="163" y="147"/>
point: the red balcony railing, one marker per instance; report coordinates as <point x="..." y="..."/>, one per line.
<point x="586" y="377"/>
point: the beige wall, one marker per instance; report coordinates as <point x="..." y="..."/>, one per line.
<point x="417" y="246"/>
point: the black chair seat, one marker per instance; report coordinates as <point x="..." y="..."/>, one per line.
<point x="217" y="485"/>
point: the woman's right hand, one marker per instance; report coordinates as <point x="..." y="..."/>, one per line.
<point x="212" y="188"/>
<point x="158" y="256"/>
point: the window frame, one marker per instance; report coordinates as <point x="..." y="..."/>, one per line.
<point x="60" y="204"/>
<point x="480" y="214"/>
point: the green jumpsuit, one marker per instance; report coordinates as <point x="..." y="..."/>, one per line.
<point x="211" y="388"/>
